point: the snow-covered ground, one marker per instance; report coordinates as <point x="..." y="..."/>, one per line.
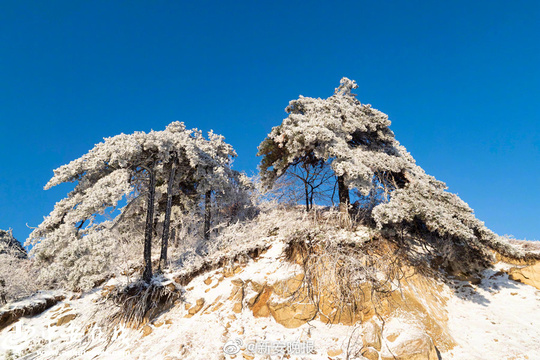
<point x="497" y="319"/>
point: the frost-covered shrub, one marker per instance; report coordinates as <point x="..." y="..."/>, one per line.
<point x="425" y="200"/>
<point x="76" y="262"/>
<point x="17" y="278"/>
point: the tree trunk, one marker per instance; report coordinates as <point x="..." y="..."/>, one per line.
<point x="156" y="220"/>
<point x="307" y="195"/>
<point x="343" y="193"/>
<point x="147" y="274"/>
<point x="207" y="214"/>
<point x="3" y="299"/>
<point x="167" y="221"/>
<point x="173" y="237"/>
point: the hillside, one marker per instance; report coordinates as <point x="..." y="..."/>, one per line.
<point x="288" y="283"/>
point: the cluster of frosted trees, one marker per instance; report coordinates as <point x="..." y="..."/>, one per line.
<point x="141" y="188"/>
<point x="131" y="187"/>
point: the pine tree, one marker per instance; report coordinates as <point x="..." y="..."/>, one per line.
<point x="75" y="244"/>
<point x="353" y="138"/>
<point x="357" y="143"/>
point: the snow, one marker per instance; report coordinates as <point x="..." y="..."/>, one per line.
<point x="268" y="268"/>
<point x="498" y="319"/>
<point x="199" y="337"/>
<point x="36" y="299"/>
<point x="404" y="329"/>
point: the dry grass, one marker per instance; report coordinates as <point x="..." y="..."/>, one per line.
<point x="354" y="277"/>
<point x="526" y="245"/>
<point x="138" y="303"/>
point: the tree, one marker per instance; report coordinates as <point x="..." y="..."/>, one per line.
<point x="362" y="151"/>
<point x="215" y="177"/>
<point x="75" y="244"/>
<point x="148" y="231"/>
<point x="167" y="220"/>
<point x="354" y="139"/>
<point x="424" y="204"/>
<point x="306" y="183"/>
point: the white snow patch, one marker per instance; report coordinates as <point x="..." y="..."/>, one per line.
<point x="499" y="319"/>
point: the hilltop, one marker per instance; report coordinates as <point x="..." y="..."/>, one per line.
<point x="343" y="290"/>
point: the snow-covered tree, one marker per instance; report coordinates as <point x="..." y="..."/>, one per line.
<point x="143" y="172"/>
<point x="353" y="138"/>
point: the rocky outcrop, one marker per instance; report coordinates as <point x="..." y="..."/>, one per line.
<point x="289" y="304"/>
<point x="419" y="347"/>
<point x="295" y="300"/>
<point x="529" y="275"/>
<point x="195" y="308"/>
<point x="28" y="308"/>
<point x="371" y="336"/>
<point x="403" y="340"/>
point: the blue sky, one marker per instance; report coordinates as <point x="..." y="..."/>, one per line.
<point x="460" y="81"/>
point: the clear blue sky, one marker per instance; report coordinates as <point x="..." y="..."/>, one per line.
<point x="459" y="79"/>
